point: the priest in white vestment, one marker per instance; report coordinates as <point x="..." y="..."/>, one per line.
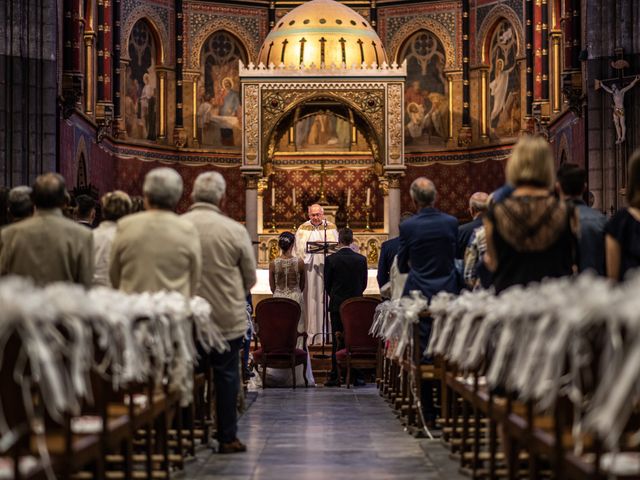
<point x="314" y="231"/>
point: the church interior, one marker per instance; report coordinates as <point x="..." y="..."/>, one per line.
<point x="346" y="107"/>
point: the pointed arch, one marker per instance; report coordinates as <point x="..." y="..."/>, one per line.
<point x="488" y="26"/>
<point x="156" y="26"/>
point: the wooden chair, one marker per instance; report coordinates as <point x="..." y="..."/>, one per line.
<point x="361" y="349"/>
<point x="277" y="325"/>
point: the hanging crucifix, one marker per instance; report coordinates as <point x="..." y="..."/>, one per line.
<point x="617" y="91"/>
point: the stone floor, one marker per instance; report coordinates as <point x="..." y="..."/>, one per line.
<point x="322" y="433"/>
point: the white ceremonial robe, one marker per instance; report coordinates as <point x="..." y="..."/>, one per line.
<point x="314" y="266"/>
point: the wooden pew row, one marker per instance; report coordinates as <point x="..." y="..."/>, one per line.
<point x="138" y="431"/>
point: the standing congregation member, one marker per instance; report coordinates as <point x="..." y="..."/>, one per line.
<point x="115" y="205"/>
<point x="531" y="234"/>
<point x="20" y="205"/>
<point x="345" y="277"/>
<point x="229" y="272"/>
<point x="388" y="251"/>
<point x="427" y="253"/>
<point x="156" y="249"/>
<point x="47" y="247"/>
<point x="571" y="185"/>
<point x="478" y="203"/>
<point x="623" y="230"/>
<point x="428" y="244"/>
<point x="85" y="210"/>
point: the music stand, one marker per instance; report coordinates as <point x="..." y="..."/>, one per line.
<point x="322" y="248"/>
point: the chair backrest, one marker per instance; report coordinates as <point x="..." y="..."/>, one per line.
<point x="277" y="321"/>
<point x="357" y="318"/>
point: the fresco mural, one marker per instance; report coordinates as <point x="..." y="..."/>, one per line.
<point x="323" y="131"/>
<point x="219" y="114"/>
<point x="504" y="83"/>
<point x="140" y="85"/>
<point x="425" y="98"/>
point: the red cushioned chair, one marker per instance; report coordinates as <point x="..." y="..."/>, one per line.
<point x="361" y="349"/>
<point x="277" y="322"/>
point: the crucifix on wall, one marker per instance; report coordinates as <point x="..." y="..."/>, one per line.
<point x="619" y="86"/>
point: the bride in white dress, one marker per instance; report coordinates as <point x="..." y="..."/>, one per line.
<point x="286" y="279"/>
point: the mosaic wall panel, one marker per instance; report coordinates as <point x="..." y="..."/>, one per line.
<point x="130" y="174"/>
<point x="455" y="183"/>
<point x="307" y="187"/>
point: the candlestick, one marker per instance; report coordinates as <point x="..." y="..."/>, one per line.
<point x="293" y="196"/>
<point x="367" y="210"/>
<point x="368" y="196"/>
<point x="273" y="195"/>
<point x="349" y="210"/>
<point x="348" y="198"/>
<point x="274" y="228"/>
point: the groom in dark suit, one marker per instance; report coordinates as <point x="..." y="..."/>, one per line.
<point x="345" y="277"/>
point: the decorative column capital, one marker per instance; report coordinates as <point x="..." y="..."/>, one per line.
<point x="179" y="137"/>
<point x="251" y="181"/>
<point x="383" y="182"/>
<point x="464" y="136"/>
<point x="393" y="179"/>
<point x="263" y="184"/>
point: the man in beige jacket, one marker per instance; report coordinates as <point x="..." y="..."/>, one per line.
<point x="47" y="247"/>
<point x="229" y="272"/>
<point x="156" y="249"/>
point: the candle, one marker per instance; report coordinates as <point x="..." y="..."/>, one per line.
<point x="368" y="196"/>
<point x="349" y="197"/>
<point x="293" y="196"/>
<point x="273" y="196"/>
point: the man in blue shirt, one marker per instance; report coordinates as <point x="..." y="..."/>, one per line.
<point x="571" y="185"/>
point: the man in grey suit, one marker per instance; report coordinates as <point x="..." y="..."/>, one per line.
<point x="229" y="272"/>
<point x="156" y="249"/>
<point x="47" y="247"/>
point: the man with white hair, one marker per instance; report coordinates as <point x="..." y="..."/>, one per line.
<point x="316" y="229"/>
<point x="478" y="204"/>
<point x="228" y="273"/>
<point x="156" y="249"/>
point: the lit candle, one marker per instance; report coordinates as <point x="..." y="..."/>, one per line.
<point x="293" y="196"/>
<point x="273" y="196"/>
<point x="368" y="196"/>
<point x="349" y="197"/>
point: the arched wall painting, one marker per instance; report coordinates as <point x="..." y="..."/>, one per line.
<point x="323" y="130"/>
<point x="219" y="114"/>
<point x="425" y="99"/>
<point x="141" y="92"/>
<point x="504" y="82"/>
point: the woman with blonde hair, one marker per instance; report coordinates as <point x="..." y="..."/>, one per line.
<point x="622" y="232"/>
<point x="115" y="205"/>
<point x="530" y="235"/>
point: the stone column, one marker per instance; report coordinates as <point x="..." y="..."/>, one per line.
<point x="384" y="186"/>
<point x="251" y="205"/>
<point x="394" y="205"/>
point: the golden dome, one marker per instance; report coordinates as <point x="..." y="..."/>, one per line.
<point x="322" y="32"/>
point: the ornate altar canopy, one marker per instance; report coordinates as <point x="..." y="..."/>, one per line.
<point x="323" y="54"/>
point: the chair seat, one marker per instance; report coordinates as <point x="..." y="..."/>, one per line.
<point x="341" y="355"/>
<point x="301" y="355"/>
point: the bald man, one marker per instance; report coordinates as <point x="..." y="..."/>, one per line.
<point x="478" y="204"/>
<point x="316" y="229"/>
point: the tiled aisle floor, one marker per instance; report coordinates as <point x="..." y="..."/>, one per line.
<point x="325" y="433"/>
